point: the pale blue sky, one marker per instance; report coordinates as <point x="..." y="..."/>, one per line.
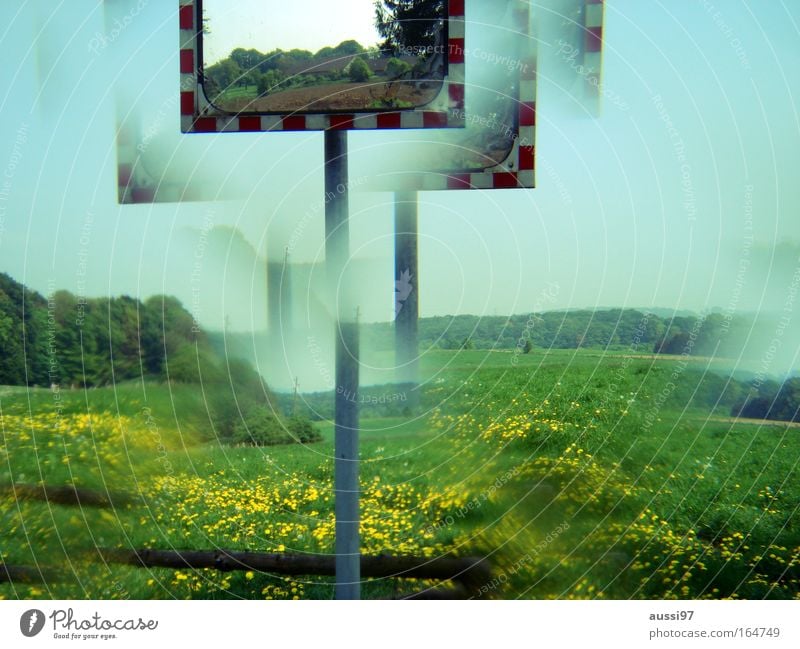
<point x="608" y="223"/>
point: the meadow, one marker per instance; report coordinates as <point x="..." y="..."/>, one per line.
<point x="580" y="474"/>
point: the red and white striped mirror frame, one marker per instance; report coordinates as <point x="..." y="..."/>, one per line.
<point x="518" y="169"/>
<point x="198" y="115"/>
<point x="593" y="19"/>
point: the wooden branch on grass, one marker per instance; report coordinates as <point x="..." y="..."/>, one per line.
<point x="469" y="572"/>
<point x="457" y="592"/>
<point x="65" y="495"/>
<point x="26" y="574"/>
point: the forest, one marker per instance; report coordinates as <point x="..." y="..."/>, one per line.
<point x="69" y="340"/>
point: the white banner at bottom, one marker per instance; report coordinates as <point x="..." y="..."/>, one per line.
<point x="389" y="625"/>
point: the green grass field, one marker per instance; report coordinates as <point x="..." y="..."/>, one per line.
<point x="580" y="474"/>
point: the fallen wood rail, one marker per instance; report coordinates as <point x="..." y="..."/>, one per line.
<point x="66" y="495"/>
<point x="458" y="592"/>
<point x="469" y="572"/>
<point x="27" y="574"/>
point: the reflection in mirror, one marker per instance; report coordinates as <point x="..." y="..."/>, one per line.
<point x="500" y="56"/>
<point x="318" y="56"/>
<point x="496" y="42"/>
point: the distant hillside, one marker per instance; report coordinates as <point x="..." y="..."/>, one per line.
<point x="67" y="340"/>
<point x="735" y="337"/>
<point x="646" y="332"/>
<point x="767" y="394"/>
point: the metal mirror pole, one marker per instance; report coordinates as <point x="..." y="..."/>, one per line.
<point x="337" y="251"/>
<point x="406" y="277"/>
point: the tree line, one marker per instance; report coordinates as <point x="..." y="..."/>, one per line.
<point x="646" y="332"/>
<point x="245" y="67"/>
<point x="713" y="334"/>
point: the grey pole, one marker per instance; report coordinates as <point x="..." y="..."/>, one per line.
<point x="273" y="298"/>
<point x="406" y="275"/>
<point x="337" y="251"/>
<point x="287" y="324"/>
<point x="279" y="307"/>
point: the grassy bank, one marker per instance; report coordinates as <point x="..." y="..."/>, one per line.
<point x="580" y="474"/>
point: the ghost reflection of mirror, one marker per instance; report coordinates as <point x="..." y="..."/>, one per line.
<point x="319" y="56"/>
